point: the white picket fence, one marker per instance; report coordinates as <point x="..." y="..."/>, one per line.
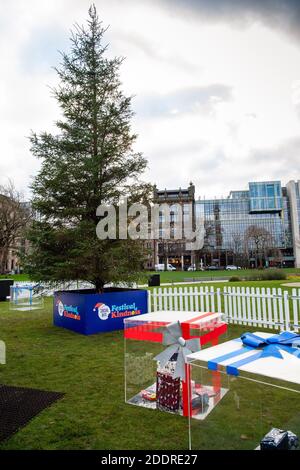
<point x="261" y="307"/>
<point x="49" y="290"/>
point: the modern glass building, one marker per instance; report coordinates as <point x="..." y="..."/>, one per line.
<point x="252" y="227"/>
<point x="258" y="226"/>
<point x="265" y="197"/>
<point x="293" y="192"/>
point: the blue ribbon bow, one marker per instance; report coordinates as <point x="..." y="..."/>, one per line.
<point x="267" y="347"/>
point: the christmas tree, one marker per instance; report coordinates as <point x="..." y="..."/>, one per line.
<point x="89" y="161"/>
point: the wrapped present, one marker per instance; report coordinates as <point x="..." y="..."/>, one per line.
<point x="173" y="335"/>
<point x="167" y="392"/>
<point x="261" y="372"/>
<point x="274" y="356"/>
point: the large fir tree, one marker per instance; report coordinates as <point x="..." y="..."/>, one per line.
<point x="88" y="162"/>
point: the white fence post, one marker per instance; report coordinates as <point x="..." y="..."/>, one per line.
<point x="149" y="309"/>
<point x="196" y="299"/>
<point x="165" y="299"/>
<point x="243" y="306"/>
<point x="295" y="302"/>
<point x="202" y="309"/>
<point x="286" y="310"/>
<point x="275" y="309"/>
<point x="258" y="304"/>
<point x="191" y="295"/>
<point x="248" y="298"/>
<point x="219" y="301"/>
<point x="155" y="299"/>
<point x="180" y="299"/>
<point x="212" y="299"/>
<point x="226" y="303"/>
<point x="239" y="306"/>
<point x="280" y="304"/>
<point x="160" y="304"/>
<point x="175" y="298"/>
<point x="234" y="304"/>
<point x="264" y="309"/>
<point x="269" y="307"/>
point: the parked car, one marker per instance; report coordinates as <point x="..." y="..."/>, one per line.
<point x="212" y="268"/>
<point x="171" y="267"/>
<point x="192" y="268"/>
<point x="232" y="267"/>
<point x="161" y="267"/>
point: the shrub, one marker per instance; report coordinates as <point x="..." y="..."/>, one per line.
<point x="269" y="275"/>
<point x="235" y="279"/>
<point x="253" y="277"/>
<point x="273" y="275"/>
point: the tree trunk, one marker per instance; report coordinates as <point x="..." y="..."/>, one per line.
<point x="99" y="286"/>
<point x="3" y="260"/>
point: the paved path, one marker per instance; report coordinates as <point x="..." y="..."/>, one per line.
<point x="291" y="284"/>
<point x="163" y="284"/>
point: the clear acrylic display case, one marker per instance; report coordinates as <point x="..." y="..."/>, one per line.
<point x="26" y="297"/>
<point x="254" y="401"/>
<point x="148" y="382"/>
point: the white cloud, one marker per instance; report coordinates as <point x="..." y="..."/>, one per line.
<point x="214" y="141"/>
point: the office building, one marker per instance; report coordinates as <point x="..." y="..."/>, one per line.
<point x="255" y="227"/>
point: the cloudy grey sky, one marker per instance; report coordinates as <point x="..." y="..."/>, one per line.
<point x="216" y="85"/>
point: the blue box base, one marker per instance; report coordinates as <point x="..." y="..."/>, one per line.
<point x="87" y="312"/>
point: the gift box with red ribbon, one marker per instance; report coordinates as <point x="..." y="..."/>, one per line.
<point x="156" y="345"/>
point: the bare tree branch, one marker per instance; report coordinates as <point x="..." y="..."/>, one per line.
<point x="14" y="216"/>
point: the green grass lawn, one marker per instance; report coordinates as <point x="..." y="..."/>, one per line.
<point x="221" y="285"/>
<point x="93" y="415"/>
<point x="178" y="276"/>
<point x="15" y="277"/>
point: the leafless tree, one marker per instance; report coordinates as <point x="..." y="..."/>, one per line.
<point x="14" y="217"/>
<point x="260" y="241"/>
<point x="237" y="249"/>
<point x="277" y="256"/>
